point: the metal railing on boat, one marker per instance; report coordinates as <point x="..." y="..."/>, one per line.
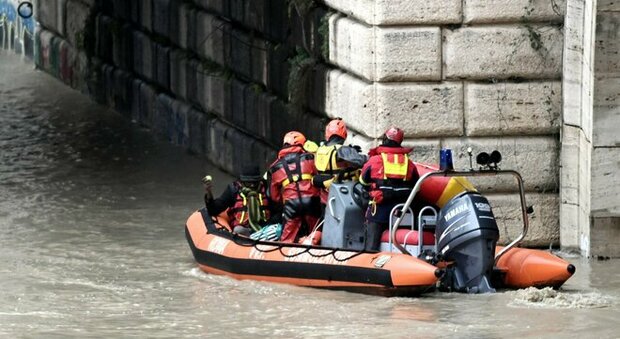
<point x="470" y="173"/>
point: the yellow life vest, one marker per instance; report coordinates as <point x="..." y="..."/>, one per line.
<point x="325" y="158"/>
<point x="395" y="169"/>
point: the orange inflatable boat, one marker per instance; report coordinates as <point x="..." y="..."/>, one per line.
<point x="218" y="251"/>
<point x="450" y="246"/>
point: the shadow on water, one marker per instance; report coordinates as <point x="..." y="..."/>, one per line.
<point x="91" y="228"/>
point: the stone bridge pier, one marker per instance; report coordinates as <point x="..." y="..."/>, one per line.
<point x="538" y="80"/>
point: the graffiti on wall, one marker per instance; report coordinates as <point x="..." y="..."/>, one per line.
<point x="17" y="26"/>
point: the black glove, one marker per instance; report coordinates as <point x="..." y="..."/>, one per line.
<point x="319" y="180"/>
<point x="357" y="148"/>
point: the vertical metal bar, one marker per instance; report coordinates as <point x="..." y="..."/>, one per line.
<point x="526" y="222"/>
<point x="408" y="203"/>
<point x="421" y="226"/>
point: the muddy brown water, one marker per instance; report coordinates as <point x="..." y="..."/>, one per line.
<point x="92" y="210"/>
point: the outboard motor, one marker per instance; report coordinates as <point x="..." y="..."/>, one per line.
<point x="466" y="234"/>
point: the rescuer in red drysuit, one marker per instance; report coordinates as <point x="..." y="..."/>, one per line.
<point x="290" y="178"/>
<point x="390" y="176"/>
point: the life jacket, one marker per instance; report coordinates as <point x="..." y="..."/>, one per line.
<point x="392" y="170"/>
<point x="292" y="174"/>
<point x="240" y="214"/>
<point x="326" y="160"/>
<point x="392" y="175"/>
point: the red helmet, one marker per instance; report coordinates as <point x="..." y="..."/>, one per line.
<point x="294" y="138"/>
<point x="395" y="134"/>
<point x="336" y="127"/>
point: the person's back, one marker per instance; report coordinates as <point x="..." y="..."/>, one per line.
<point x="291" y="175"/>
<point x="390" y="176"/>
<point x="291" y="183"/>
<point x="245" y="202"/>
<point x="334" y="161"/>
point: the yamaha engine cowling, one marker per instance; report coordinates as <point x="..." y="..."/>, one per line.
<point x="466" y="235"/>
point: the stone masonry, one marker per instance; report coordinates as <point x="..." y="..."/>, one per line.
<point x="212" y="76"/>
<point x="457" y="74"/>
<point x="227" y="78"/>
<point x="605" y="161"/>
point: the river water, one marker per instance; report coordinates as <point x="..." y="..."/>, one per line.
<point x="92" y="245"/>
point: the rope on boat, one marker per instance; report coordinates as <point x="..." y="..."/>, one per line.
<point x="247" y="242"/>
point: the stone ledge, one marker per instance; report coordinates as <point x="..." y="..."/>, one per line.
<point x="385" y="53"/>
<point x="530" y="108"/>
<point x="502" y="52"/>
<point x="485" y="11"/>
<point x="400" y="12"/>
<point x="536" y="158"/>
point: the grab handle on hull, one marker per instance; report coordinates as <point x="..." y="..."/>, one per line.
<point x="481" y="173"/>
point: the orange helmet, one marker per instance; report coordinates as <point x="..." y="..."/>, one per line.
<point x="395" y="134"/>
<point x="336" y="127"/>
<point x="294" y="138"/>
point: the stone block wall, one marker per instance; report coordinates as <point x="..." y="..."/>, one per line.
<point x="485" y="74"/>
<point x="605" y="161"/>
<point x="227" y="78"/>
<point x="222" y="78"/>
